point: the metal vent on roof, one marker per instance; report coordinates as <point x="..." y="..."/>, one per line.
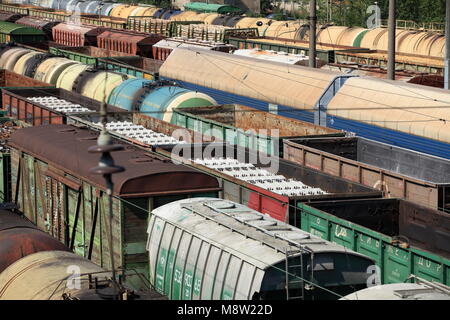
<point x="292" y="235"/>
<point x="262" y="223"/>
<point x="248" y="217"/>
<point x="221" y="204"/>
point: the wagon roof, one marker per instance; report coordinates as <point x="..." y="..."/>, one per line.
<point x="129" y="37"/>
<point x="66" y="147"/>
<point x="12" y="28"/>
<point x="295" y="86"/>
<point x="246" y="233"/>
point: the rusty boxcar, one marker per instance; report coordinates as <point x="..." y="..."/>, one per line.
<point x="75" y="35"/>
<point x="52" y="185"/>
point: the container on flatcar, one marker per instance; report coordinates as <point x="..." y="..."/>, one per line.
<point x="402" y="237"/>
<point x="231" y="252"/>
<point x="247" y="127"/>
<point x="400" y="173"/>
<point x="75" y="35"/>
<point x="265" y="192"/>
<point x="77" y="219"/>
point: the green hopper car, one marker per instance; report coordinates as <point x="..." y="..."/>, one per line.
<point x="402" y="237"/>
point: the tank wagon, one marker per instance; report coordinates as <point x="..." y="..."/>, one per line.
<point x="9" y="17"/>
<point x="217" y="249"/>
<point x="40" y="24"/>
<point x="43" y="276"/>
<point x="398" y="172"/>
<point x="156" y="98"/>
<point x="247" y="127"/>
<point x="404" y="238"/>
<point x="20" y="238"/>
<point x="71" y="203"/>
<point x="163" y="48"/>
<point x="418" y="290"/>
<point x="362" y="105"/>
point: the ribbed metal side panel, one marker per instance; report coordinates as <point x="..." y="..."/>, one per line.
<point x="229" y="98"/>
<point x="393" y="137"/>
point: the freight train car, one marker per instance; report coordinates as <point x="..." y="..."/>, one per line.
<point x="139" y="67"/>
<point x="10" y="80"/>
<point x="20" y="238"/>
<point x="41" y="24"/>
<point x="11" y="32"/>
<point x="247" y="127"/>
<point x="9" y="17"/>
<point x="75" y="35"/>
<point x="215" y="249"/>
<point x="44" y="276"/>
<point x="265" y="183"/>
<point x="398" y="172"/>
<point x="418" y="290"/>
<point x="130" y="42"/>
<point x="402" y="237"/>
<point x="362" y="105"/>
<point x="156" y="98"/>
<point x="60" y="196"/>
<point x="42" y="106"/>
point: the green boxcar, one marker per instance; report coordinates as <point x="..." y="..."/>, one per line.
<point x="66" y="201"/>
<point x="11" y="32"/>
<point x="14" y="9"/>
<point x="403" y="237"/>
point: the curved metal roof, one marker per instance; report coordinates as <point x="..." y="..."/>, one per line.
<point x="12" y="28"/>
<point x="246" y="233"/>
<point x="66" y="147"/>
<point x="399" y="291"/>
<point x="418" y="109"/>
<point x="279" y="83"/>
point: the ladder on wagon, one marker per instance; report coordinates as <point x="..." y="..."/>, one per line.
<point x="295" y="273"/>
